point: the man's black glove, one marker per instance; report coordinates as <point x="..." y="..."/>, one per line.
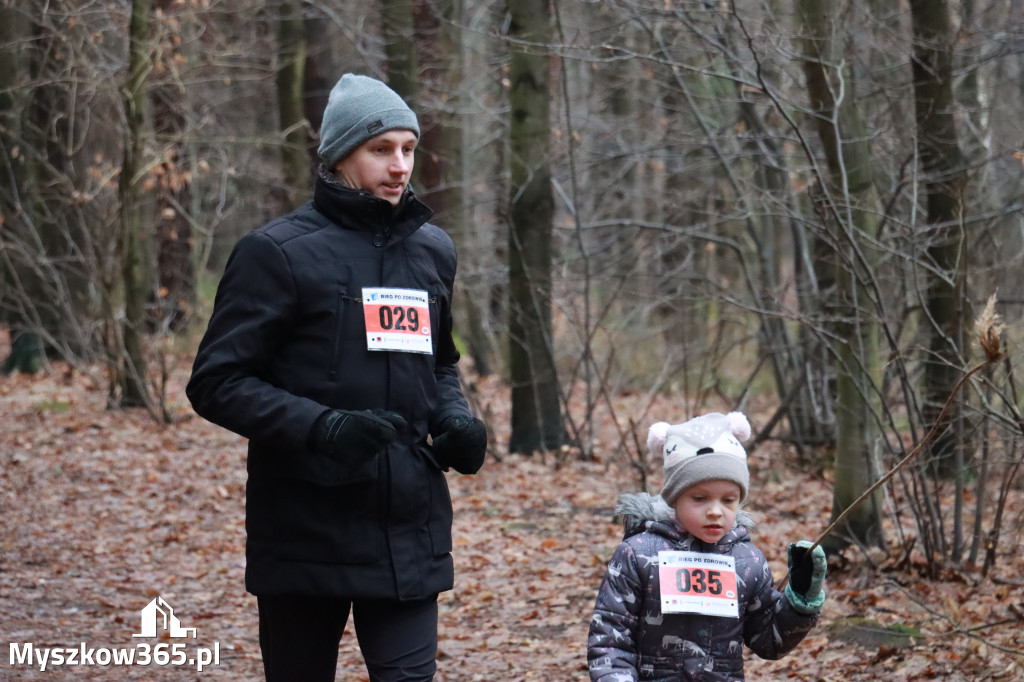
<point x="461" y="444"/>
<point x="363" y="432"/>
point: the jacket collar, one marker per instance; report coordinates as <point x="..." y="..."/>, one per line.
<point x="361" y="211"/>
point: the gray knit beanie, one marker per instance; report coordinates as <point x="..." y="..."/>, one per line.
<point x="706" y="448"/>
<point x="359" y="108"/>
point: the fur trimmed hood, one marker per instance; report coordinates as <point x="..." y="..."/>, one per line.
<point x="634" y="510"/>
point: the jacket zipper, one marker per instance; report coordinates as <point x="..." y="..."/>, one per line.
<point x="339" y="316"/>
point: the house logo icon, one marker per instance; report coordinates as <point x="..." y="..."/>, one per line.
<point x="158" y="614"/>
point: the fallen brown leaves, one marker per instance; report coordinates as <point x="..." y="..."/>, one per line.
<point x="102" y="510"/>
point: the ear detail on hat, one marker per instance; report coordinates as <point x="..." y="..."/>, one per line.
<point x="739" y="425"/>
<point x="704" y="448"/>
<point x="656" y="437"/>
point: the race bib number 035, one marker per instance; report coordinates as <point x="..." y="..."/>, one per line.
<point x="694" y="582"/>
<point x="397" y="320"/>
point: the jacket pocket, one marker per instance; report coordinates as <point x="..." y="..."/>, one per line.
<point x="345" y="308"/>
<point x="440" y="524"/>
<point x="436" y="302"/>
<point x="427" y="454"/>
<point x="328" y="524"/>
<point x="423" y="492"/>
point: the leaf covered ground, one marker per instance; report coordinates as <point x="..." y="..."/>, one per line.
<point x="102" y="510"/>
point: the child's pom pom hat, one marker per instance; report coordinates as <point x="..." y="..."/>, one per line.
<point x="706" y="448"/>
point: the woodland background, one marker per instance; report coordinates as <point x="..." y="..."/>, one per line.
<point x="807" y="210"/>
<point x="102" y="510"/>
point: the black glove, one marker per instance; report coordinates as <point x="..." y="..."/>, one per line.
<point x="806" y="577"/>
<point x="363" y="432"/>
<point x="461" y="444"/>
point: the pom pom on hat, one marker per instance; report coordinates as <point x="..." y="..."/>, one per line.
<point x="705" y="448"/>
<point x="656" y="437"/>
<point x="358" y="108"/>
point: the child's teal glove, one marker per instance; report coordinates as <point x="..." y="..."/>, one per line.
<point x="806" y="577"/>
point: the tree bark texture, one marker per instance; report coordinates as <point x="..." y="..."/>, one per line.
<point x="536" y="412"/>
<point x="34" y="133"/>
<point x="129" y="335"/>
<point x="175" y="297"/>
<point x="944" y="175"/>
<point x="851" y="210"/>
<point x="291" y="90"/>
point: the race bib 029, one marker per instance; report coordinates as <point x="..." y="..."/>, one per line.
<point x="397" y="320"/>
<point x="695" y="582"/>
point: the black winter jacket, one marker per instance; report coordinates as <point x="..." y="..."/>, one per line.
<point x="631" y="639"/>
<point x="286" y="341"/>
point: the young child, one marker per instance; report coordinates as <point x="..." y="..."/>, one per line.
<point x="687" y="588"/>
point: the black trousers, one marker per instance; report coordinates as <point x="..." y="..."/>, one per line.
<point x="299" y="638"/>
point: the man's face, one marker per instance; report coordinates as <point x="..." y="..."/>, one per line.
<point x="382" y="165"/>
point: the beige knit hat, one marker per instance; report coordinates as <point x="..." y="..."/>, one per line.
<point x="706" y="448"/>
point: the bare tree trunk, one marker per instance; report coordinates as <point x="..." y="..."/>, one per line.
<point x="451" y="203"/>
<point x="536" y="412"/>
<point x="400" y="49"/>
<point x="944" y="169"/>
<point x="292" y="50"/>
<point x="430" y="72"/>
<point x="320" y="75"/>
<point x="176" y="294"/>
<point x="35" y="254"/>
<point x="129" y="336"/>
<point x="851" y="208"/>
<point x="798" y="374"/>
<point x="27" y="350"/>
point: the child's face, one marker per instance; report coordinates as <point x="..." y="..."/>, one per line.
<point x="708" y="510"/>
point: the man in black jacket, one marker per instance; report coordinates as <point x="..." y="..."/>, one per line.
<point x="330" y="348"/>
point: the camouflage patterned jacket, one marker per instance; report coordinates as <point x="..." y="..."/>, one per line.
<point x="630" y="638"/>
